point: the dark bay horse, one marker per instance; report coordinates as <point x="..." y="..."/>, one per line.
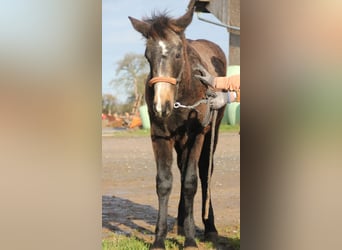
<point x="173" y="59"/>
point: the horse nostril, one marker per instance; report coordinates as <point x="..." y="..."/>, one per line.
<point x="166" y="109"/>
<point x="154" y="107"/>
<point x="168" y="106"/>
<point x="162" y="110"/>
<point x="158" y="109"/>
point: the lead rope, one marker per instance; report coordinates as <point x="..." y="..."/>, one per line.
<point x="207" y="201"/>
<point x="208" y="115"/>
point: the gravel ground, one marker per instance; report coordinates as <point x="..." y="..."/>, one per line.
<point x="129" y="201"/>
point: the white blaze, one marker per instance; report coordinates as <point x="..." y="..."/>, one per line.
<point x="163" y="46"/>
<point x="161" y="88"/>
<point x="161" y="92"/>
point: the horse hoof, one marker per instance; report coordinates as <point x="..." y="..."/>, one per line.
<point x="211" y="236"/>
<point x="190" y="244"/>
<point x="158" y="245"/>
<point x="180" y="230"/>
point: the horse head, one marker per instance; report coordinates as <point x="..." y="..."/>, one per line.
<point x="166" y="54"/>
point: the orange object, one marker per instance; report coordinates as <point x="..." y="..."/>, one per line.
<point x="170" y="80"/>
<point x="136" y="122"/>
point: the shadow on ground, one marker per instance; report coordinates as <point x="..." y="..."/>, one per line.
<point x="124" y="217"/>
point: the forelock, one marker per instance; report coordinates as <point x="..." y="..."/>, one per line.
<point x="160" y="24"/>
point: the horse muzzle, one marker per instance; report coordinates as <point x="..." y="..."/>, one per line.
<point x="164" y="94"/>
<point x="162" y="111"/>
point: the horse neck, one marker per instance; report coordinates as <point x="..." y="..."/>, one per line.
<point x="191" y="58"/>
<point x="187" y="70"/>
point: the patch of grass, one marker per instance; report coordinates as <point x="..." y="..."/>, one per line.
<point x="229" y="128"/>
<point x="124" y="243"/>
<point x="118" y="241"/>
<point x="174" y="243"/>
<point x="130" y="133"/>
<point x="208" y="245"/>
<point x="233" y="233"/>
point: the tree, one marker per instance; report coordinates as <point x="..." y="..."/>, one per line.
<point x="109" y="104"/>
<point x="132" y="71"/>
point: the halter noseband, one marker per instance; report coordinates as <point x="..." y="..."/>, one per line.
<point x="156" y="79"/>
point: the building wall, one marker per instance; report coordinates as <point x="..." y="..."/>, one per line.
<point x="234" y="37"/>
<point x="228" y="12"/>
<point x="234" y="49"/>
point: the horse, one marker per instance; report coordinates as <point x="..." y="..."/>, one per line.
<point x="171" y="93"/>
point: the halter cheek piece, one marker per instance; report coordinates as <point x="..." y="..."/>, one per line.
<point x="156" y="79"/>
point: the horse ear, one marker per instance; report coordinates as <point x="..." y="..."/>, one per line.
<point x="140" y="26"/>
<point x="186" y="19"/>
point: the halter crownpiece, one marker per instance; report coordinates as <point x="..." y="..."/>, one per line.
<point x="156" y="79"/>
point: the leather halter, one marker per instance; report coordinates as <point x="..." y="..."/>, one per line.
<point x="156" y="79"/>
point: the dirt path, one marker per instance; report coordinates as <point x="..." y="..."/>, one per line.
<point x="129" y="201"/>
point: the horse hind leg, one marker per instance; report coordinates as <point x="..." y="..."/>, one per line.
<point x="210" y="230"/>
<point x="179" y="226"/>
<point x="185" y="218"/>
<point x="187" y="160"/>
<point x="189" y="191"/>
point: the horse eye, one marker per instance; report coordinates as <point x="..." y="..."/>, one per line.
<point x="178" y="55"/>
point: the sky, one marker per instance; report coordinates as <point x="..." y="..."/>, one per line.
<point x="119" y="37"/>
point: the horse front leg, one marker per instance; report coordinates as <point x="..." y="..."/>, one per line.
<point x="163" y="154"/>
